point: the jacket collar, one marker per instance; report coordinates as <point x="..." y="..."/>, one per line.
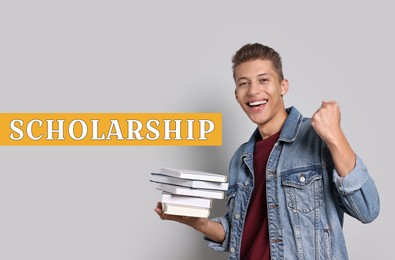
<point x="291" y="125"/>
<point x="288" y="133"/>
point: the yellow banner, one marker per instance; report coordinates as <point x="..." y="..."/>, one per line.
<point x="194" y="129"/>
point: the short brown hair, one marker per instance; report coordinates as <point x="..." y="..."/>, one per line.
<point x="255" y="51"/>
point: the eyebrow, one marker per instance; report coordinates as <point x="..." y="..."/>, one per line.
<point x="263" y="74"/>
<point x="259" y="75"/>
<point x="242" y="78"/>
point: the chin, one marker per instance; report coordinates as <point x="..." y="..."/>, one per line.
<point x="258" y="121"/>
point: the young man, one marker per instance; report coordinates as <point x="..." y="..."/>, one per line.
<point x="292" y="182"/>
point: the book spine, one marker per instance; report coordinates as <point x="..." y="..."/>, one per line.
<point x="223" y="186"/>
<point x="186" y="200"/>
<point x="194" y="175"/>
<point x="190" y="192"/>
<point x="185" y="210"/>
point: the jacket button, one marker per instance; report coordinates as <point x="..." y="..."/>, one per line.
<point x="246" y="183"/>
<point x="237" y="216"/>
<point x="232" y="250"/>
<point x="302" y="179"/>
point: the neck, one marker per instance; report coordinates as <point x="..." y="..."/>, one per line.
<point x="274" y="125"/>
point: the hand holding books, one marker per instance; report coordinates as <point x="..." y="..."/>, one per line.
<point x="185" y="199"/>
<point x="197" y="223"/>
<point x="188" y="192"/>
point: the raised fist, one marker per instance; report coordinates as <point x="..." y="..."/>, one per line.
<point x="326" y="121"/>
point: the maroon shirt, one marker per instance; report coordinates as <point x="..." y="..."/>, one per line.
<point x="255" y="240"/>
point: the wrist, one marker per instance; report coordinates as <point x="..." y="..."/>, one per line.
<point x="335" y="139"/>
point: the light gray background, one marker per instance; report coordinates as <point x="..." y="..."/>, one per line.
<point x="174" y="56"/>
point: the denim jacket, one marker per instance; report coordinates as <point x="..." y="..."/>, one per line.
<point x="306" y="198"/>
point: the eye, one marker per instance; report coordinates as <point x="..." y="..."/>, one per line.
<point x="243" y="84"/>
<point x="263" y="80"/>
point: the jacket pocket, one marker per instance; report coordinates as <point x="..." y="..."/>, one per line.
<point x="303" y="188"/>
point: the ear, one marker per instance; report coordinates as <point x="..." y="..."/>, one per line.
<point x="284" y="87"/>
<point x="237" y="98"/>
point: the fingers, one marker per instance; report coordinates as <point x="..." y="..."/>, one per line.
<point x="190" y="221"/>
<point x="326" y="121"/>
<point x="164" y="216"/>
<point x="158" y="210"/>
<point x="326" y="108"/>
<point x="329" y="103"/>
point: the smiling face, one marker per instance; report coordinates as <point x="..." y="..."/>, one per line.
<point x="259" y="92"/>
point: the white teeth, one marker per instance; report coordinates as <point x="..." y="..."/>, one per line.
<point x="257" y="103"/>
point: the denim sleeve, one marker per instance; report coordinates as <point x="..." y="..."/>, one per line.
<point x="358" y="193"/>
<point x="224" y="246"/>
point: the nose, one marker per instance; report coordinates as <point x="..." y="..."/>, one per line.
<point x="253" y="89"/>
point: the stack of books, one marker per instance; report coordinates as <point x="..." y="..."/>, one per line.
<point x="189" y="192"/>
